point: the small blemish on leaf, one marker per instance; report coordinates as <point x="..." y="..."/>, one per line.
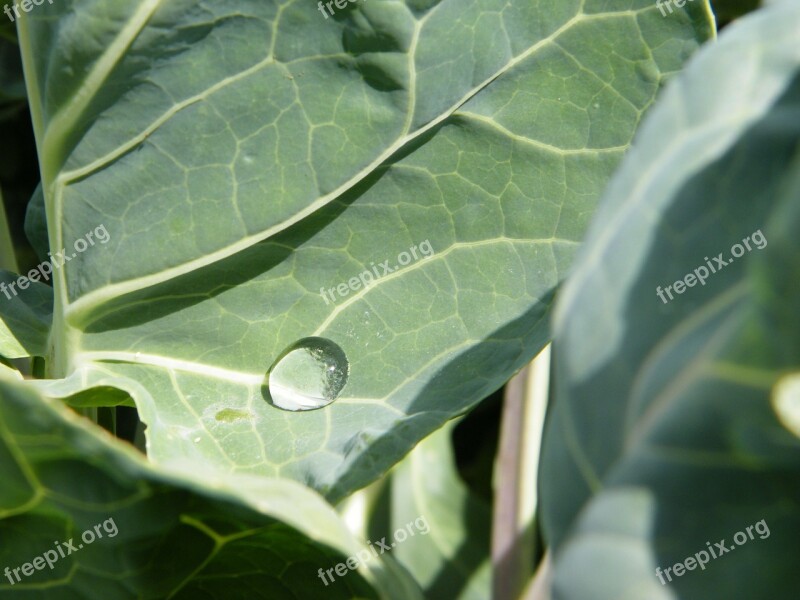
<point x="229" y="415"/>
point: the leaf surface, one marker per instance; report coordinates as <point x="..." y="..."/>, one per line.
<point x="246" y="156"/>
<point x="448" y="553"/>
<point x="158" y="534"/>
<point x="25" y="316"/>
<point x="664" y="434"/>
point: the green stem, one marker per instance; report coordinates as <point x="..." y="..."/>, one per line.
<point x="8" y="262"/>
<point x="539" y="586"/>
<point x="514" y="546"/>
<point x="49" y="157"/>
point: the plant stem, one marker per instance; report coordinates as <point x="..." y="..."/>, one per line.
<point x="539" y="587"/>
<point x="514" y="528"/>
<point x="8" y="262"/>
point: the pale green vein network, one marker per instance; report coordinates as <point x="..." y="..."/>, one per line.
<point x="255" y="514"/>
<point x="256" y="379"/>
<point x="30" y="476"/>
<point x="537" y="144"/>
<point x="501" y="243"/>
<point x="77" y="310"/>
<point x="438" y="256"/>
<point x="686" y="377"/>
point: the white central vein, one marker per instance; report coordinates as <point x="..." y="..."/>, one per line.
<point x="174" y="364"/>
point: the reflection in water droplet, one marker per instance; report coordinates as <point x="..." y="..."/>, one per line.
<point x="308" y="374"/>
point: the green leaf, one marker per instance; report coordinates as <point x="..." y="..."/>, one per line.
<point x="664" y="435"/>
<point x="448" y="555"/>
<point x="159" y="534"/>
<point x="25" y="316"/>
<point x="36" y="224"/>
<point x="243" y="156"/>
<point x="7" y="372"/>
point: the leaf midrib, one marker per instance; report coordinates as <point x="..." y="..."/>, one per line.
<point x="74" y="311"/>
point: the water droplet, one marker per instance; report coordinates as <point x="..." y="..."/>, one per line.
<point x="648" y="71"/>
<point x="308" y="374"/>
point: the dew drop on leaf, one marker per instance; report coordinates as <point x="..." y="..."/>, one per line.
<point x="309" y="374"/>
<point x="648" y="71"/>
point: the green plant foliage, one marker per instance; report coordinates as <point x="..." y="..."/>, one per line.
<point x="162" y="535"/>
<point x="452" y="559"/>
<point x="245" y="155"/>
<point x="300" y="243"/>
<point x="665" y="434"/>
<point x="27" y="314"/>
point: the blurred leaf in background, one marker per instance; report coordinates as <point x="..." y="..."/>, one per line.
<point x="663" y="435"/>
<point x="19" y="167"/>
